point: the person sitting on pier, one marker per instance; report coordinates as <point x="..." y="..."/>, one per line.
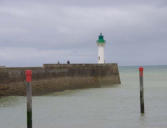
<point x="68" y="62"/>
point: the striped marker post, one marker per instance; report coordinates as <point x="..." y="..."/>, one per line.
<point x="28" y="74"/>
<point x="141" y="90"/>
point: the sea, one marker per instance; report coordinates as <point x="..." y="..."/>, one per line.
<point x="107" y="107"/>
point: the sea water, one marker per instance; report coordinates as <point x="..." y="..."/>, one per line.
<point x="108" y="107"/>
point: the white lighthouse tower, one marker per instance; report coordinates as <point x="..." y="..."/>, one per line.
<point x="101" y="43"/>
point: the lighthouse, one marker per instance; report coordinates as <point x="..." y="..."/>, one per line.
<point x="100" y="44"/>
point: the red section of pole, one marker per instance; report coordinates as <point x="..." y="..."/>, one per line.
<point x="28" y="74"/>
<point x="141" y="71"/>
<point x="141" y="90"/>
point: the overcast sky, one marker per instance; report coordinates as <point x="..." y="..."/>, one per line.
<point x="33" y="32"/>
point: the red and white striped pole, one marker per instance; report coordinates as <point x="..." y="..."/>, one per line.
<point x="141" y="90"/>
<point x="28" y="74"/>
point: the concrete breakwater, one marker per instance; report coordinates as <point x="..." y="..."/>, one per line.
<point x="57" y="77"/>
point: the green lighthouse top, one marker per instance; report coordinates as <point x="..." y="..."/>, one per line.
<point x="101" y="40"/>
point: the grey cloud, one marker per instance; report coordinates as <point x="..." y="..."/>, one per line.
<point x="61" y="30"/>
<point x="91" y="3"/>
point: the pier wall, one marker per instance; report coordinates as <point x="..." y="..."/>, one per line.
<point x="57" y="77"/>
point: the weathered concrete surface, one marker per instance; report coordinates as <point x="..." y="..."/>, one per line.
<point x="58" y="77"/>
